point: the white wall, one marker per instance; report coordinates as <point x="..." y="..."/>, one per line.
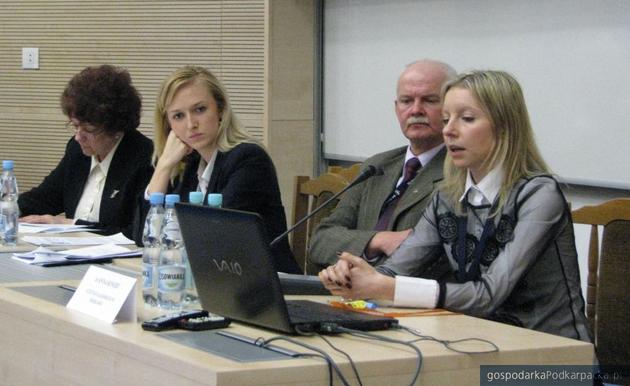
<point x="570" y="56"/>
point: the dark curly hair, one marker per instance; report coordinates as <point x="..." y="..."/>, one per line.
<point x="103" y="96"/>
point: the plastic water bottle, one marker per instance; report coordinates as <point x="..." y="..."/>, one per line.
<point x="215" y="200"/>
<point x="191" y="300"/>
<point x="195" y="198"/>
<point x="171" y="282"/>
<point x="9" y="209"/>
<point x="151" y="251"/>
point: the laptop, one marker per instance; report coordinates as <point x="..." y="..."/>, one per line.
<point x="233" y="269"/>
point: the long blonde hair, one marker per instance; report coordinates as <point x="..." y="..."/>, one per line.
<point x="229" y="133"/>
<point x="501" y="98"/>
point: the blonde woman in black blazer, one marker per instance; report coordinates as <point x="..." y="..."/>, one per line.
<point x="200" y="146"/>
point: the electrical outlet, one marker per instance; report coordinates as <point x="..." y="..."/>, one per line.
<point x="30" y="58"/>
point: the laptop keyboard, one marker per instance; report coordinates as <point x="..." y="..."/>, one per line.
<point x="306" y="315"/>
<point x="304" y="311"/>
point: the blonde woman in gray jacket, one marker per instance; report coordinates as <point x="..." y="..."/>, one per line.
<point x="499" y="219"/>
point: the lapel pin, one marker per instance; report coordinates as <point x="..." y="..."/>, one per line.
<point x="114" y="193"/>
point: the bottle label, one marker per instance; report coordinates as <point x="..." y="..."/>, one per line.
<point x="171" y="278"/>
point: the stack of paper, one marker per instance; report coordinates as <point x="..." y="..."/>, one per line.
<point x="52" y="228"/>
<point x="97" y="253"/>
<point x="118" y="238"/>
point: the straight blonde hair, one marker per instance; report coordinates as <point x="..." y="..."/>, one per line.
<point x="230" y="132"/>
<point x="501" y="98"/>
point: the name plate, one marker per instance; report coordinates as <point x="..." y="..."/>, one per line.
<point x="105" y="295"/>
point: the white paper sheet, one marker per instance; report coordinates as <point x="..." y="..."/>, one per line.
<point x="42" y="255"/>
<point x="118" y="238"/>
<point x="27" y="228"/>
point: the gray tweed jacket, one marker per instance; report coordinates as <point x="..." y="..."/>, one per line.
<point x="528" y="271"/>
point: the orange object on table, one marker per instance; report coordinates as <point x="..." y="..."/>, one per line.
<point x="395" y="314"/>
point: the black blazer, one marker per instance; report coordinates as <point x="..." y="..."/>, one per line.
<point x="246" y="177"/>
<point x="127" y="177"/>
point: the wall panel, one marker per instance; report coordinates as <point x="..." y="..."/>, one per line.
<point x="149" y="38"/>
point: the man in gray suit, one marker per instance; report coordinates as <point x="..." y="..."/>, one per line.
<point x="354" y="225"/>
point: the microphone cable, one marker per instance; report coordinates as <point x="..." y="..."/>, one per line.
<point x="352" y="364"/>
<point x="448" y="344"/>
<point x="368" y="335"/>
<point x="320" y="354"/>
<point x="333" y="366"/>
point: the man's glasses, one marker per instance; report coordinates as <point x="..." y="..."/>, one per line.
<point x="83" y="128"/>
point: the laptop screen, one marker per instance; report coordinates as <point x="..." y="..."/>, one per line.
<point x="232" y="267"/>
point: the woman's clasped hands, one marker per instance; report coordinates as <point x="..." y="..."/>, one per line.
<point x="353" y="278"/>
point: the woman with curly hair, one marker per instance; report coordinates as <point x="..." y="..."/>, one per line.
<point x="107" y="162"/>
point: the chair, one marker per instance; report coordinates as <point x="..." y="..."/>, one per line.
<point x="612" y="307"/>
<point x="309" y="194"/>
<point x="596" y="215"/>
<point x="348" y="173"/>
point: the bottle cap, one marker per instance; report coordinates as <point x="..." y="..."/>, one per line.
<point x="171" y="199"/>
<point x="195" y="197"/>
<point x="156" y="198"/>
<point x="7" y="164"/>
<point x="215" y="199"/>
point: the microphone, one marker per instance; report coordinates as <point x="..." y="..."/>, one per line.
<point x="370" y="171"/>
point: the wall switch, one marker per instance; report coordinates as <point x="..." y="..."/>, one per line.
<point x="30" y="58"/>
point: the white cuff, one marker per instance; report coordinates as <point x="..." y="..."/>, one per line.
<point x="416" y="292"/>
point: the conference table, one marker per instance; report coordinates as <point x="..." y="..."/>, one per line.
<point x="43" y="342"/>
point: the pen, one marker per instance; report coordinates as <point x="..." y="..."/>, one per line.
<point x="68" y="287"/>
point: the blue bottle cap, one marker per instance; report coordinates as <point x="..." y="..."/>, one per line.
<point x="215" y="200"/>
<point x="171" y="199"/>
<point x="156" y="198"/>
<point x="7" y="164"/>
<point x="195" y="197"/>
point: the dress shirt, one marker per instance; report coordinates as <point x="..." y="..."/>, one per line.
<point x="424" y="293"/>
<point x="89" y="207"/>
<point x="485" y="191"/>
<point x="204" y="172"/>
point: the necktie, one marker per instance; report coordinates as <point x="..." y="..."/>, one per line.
<point x="411" y="169"/>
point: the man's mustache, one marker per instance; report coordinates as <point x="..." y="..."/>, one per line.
<point x="416" y="120"/>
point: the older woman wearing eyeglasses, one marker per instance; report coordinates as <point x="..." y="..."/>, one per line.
<point x="106" y="164"/>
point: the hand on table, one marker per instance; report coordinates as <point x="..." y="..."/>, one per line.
<point x="46" y="219"/>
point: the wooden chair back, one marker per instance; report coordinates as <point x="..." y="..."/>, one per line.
<point x="310" y="193"/>
<point x="612" y="309"/>
<point x="348" y="173"/>
<point x="598" y="215"/>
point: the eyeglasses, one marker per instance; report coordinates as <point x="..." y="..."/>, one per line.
<point x="84" y="128"/>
